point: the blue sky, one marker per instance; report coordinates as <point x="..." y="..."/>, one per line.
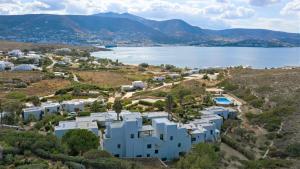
<point x="282" y="15"/>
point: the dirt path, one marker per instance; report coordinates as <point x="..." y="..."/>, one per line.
<point x="272" y="142"/>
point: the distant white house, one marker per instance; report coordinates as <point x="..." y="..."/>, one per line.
<point x="174" y="75"/>
<point x="32" y="112"/>
<point x="138" y="84"/>
<point x="50" y="108"/>
<point x="25" y="67"/>
<point x="221" y="111"/>
<point x="16" y="53"/>
<point x="65" y="126"/>
<point x="6" y="65"/>
<point x="159" y="78"/>
<point x="127" y="88"/>
<point x="72" y="106"/>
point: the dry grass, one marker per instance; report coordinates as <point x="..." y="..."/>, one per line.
<point x="110" y="79"/>
<point x="41" y="88"/>
<point x="24" y="76"/>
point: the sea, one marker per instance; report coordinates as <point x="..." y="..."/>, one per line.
<point x="205" y="57"/>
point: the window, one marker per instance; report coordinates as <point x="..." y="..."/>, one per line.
<point x="139" y="156"/>
<point x="182" y="153"/>
<point x="148" y="155"/>
<point x="149" y="146"/>
<point x="117" y="155"/>
<point x="131" y="135"/>
<point x="193" y="139"/>
<point x="156" y="151"/>
<point x="161" y="136"/>
<point x="211" y="132"/>
<point x="119" y="145"/>
<point x="164" y="159"/>
<point x="179" y="145"/>
<point x="171" y="137"/>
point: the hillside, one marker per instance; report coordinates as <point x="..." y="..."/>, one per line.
<point x="127" y="29"/>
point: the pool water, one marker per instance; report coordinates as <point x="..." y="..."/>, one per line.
<point x="222" y="100"/>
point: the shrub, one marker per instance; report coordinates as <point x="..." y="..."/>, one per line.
<point x="95" y="154"/>
<point x="16" y="95"/>
<point x="293" y="150"/>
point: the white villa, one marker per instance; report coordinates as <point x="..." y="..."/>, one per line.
<point x="159" y="78"/>
<point x="163" y="139"/>
<point x="15" y="53"/>
<point x="50" y="107"/>
<point x="138" y="84"/>
<point x="25" y="67"/>
<point x="6" y="65"/>
<point x="65" y="126"/>
<point x="72" y="106"/>
<point x="129" y="138"/>
<point x="221" y="111"/>
<point x="32" y="112"/>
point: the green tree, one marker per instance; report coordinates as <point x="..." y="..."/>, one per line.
<point x="80" y="141"/>
<point x="169" y="104"/>
<point x="202" y="156"/>
<point x="117" y="107"/>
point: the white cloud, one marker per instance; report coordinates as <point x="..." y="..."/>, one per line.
<point x="292" y="7"/>
<point x="263" y="2"/>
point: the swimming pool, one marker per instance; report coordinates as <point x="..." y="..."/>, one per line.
<point x="222" y="101"/>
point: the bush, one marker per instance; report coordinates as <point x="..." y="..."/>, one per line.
<point x="293" y="150"/>
<point x="16" y="95"/>
<point x="33" y="166"/>
<point x="73" y="165"/>
<point x="95" y="154"/>
<point x="234" y="144"/>
<point x="145" y="103"/>
<point x="80" y="141"/>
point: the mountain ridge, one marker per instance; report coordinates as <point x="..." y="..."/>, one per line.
<point x="127" y="29"/>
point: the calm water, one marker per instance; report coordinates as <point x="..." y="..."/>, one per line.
<point x="201" y="57"/>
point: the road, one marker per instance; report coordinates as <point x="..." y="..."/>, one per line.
<point x="53" y="62"/>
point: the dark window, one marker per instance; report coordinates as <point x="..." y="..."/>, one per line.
<point x="179" y="145"/>
<point x="211" y="132"/>
<point x="117" y="155"/>
<point x="156" y="151"/>
<point x="131" y="135"/>
<point x="139" y="156"/>
<point x="149" y="145"/>
<point x="148" y="155"/>
<point x="164" y="159"/>
<point x="171" y="137"/>
<point x="193" y="139"/>
<point x="181" y="153"/>
<point x="161" y="136"/>
<point x="119" y="145"/>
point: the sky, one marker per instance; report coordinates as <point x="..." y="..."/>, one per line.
<point x="281" y="15"/>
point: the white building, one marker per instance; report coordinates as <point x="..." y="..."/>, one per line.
<point x="127" y="88"/>
<point x="129" y="138"/>
<point x="155" y="115"/>
<point x="72" y="106"/>
<point x="6" y="65"/>
<point x="221" y="111"/>
<point x="174" y="75"/>
<point x="138" y="84"/>
<point x="25" y="67"/>
<point x="32" y="112"/>
<point x="51" y="108"/>
<point x="65" y="126"/>
<point x="16" y="53"/>
<point x="159" y="78"/>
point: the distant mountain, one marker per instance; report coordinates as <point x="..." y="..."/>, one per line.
<point x="128" y="29"/>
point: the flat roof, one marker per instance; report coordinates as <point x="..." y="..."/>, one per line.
<point x="33" y="109"/>
<point x="64" y="125"/>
